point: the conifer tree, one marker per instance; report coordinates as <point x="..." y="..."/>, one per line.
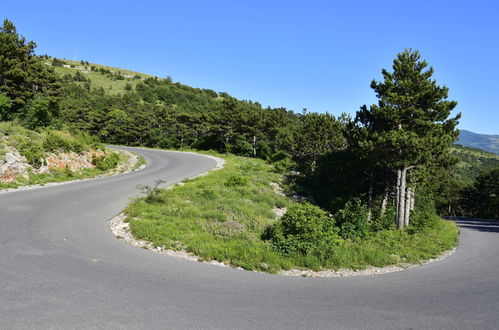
<point x="409" y="129"/>
<point x="22" y="74"/>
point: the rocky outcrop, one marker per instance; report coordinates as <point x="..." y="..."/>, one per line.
<point x="71" y="160"/>
<point x="14" y="166"/>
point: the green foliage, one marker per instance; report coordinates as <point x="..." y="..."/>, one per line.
<point x="36" y="113"/>
<point x="424" y="214"/>
<point x="482" y="199"/>
<point x="284" y="165"/>
<point x="353" y="220"/>
<point x="304" y="229"/>
<point x="153" y="194"/>
<point x="22" y="74"/>
<point x="57" y="62"/>
<point x="215" y="221"/>
<point x="471" y="162"/>
<point x="5" y="105"/>
<point x="33" y="152"/>
<point x="236" y="180"/>
<point x="106" y="162"/>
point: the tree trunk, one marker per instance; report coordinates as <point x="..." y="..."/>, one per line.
<point x="370" y="198"/>
<point x="397" y="195"/>
<point x="413" y="198"/>
<point x="401" y="198"/>
<point x="254" y="145"/>
<point x="407" y="213"/>
<point x="384" y="202"/>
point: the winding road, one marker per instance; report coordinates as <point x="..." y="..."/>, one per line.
<point x="61" y="268"/>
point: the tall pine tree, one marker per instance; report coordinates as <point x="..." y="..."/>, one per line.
<point x="409" y="129"/>
<point x="22" y="74"/>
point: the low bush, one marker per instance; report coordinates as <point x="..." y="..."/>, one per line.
<point x="353" y="220"/>
<point x="236" y="180"/>
<point x="424" y="214"/>
<point x="304" y="229"/>
<point x="33" y="152"/>
<point x="106" y="162"/>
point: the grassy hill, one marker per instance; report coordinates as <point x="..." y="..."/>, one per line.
<point x="473" y="161"/>
<point x="485" y="142"/>
<point x="112" y="80"/>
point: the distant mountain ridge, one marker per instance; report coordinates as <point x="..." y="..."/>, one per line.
<point x="485" y="142"/>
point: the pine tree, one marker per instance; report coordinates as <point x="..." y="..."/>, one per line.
<point x="22" y="74"/>
<point x="409" y="129"/>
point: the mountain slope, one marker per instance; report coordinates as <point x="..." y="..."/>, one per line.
<point x="485" y="142"/>
<point x="472" y="162"/>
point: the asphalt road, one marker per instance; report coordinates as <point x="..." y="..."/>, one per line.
<point x="60" y="267"/>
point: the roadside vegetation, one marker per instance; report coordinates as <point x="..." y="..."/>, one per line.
<point x="46" y="155"/>
<point x="231" y="216"/>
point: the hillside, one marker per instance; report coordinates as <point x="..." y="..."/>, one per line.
<point x="112" y="80"/>
<point x="472" y="162"/>
<point x="485" y="142"/>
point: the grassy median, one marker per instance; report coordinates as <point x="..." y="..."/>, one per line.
<point x="224" y="216"/>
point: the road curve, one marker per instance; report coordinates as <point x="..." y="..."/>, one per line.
<point x="60" y="267"/>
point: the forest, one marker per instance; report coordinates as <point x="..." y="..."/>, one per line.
<point x="391" y="165"/>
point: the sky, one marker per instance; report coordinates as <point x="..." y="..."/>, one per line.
<point x="319" y="55"/>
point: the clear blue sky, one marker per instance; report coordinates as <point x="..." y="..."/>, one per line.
<point x="320" y="55"/>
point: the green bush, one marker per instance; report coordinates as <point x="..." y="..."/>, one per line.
<point x="106" y="162"/>
<point x="236" y="180"/>
<point x="5" y="105"/>
<point x="154" y="194"/>
<point x="385" y="222"/>
<point x="36" y="113"/>
<point x="284" y="165"/>
<point x="304" y="229"/>
<point x="32" y="151"/>
<point x="424" y="214"/>
<point x="352" y="220"/>
<point x="57" y="142"/>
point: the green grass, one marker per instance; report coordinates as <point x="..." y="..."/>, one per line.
<point x="222" y="216"/>
<point x="100" y="80"/>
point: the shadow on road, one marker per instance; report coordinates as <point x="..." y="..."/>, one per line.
<point x="477" y="224"/>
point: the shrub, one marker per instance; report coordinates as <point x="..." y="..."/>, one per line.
<point x="153" y="194"/>
<point x="57" y="142"/>
<point x="352" y="220"/>
<point x="424" y="214"/>
<point x="5" y="105"/>
<point x="304" y="229"/>
<point x="284" y="165"/>
<point x="32" y="151"/>
<point x="36" y="113"/>
<point x="106" y="162"/>
<point x="236" y="180"/>
<point x="385" y="222"/>
<point x="241" y="147"/>
<point x="57" y="62"/>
